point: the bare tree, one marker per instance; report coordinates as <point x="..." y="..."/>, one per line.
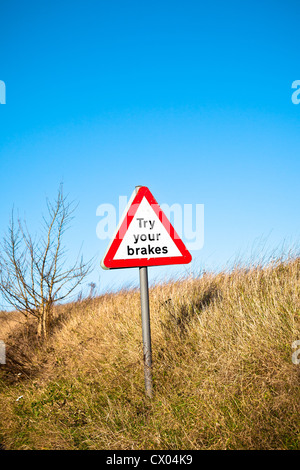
<point x="33" y="273"/>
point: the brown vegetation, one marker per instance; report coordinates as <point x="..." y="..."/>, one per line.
<point x="222" y="369"/>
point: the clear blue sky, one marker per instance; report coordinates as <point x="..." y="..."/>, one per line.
<point x="189" y="98"/>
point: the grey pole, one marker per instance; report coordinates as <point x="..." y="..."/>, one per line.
<point x="146" y="329"/>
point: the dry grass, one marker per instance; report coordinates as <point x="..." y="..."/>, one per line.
<point x="9" y="322"/>
<point x="222" y="368"/>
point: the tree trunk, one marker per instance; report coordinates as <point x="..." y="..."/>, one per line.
<point x="43" y="323"/>
<point x="39" y="327"/>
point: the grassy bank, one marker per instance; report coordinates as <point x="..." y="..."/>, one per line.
<point x="222" y="369"/>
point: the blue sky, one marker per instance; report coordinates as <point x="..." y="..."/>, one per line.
<point x="192" y="99"/>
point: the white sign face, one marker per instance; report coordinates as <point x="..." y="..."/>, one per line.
<point x="146" y="236"/>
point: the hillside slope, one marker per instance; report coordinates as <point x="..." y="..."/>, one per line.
<point x="222" y="367"/>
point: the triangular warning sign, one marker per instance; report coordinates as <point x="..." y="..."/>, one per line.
<point x="144" y="236"/>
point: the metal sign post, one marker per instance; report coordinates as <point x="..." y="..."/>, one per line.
<point x="144" y="237"/>
<point x="146" y="329"/>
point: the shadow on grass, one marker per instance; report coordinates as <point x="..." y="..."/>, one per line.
<point x="180" y="315"/>
<point x="25" y="352"/>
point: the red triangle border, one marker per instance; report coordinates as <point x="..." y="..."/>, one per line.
<point x="109" y="262"/>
